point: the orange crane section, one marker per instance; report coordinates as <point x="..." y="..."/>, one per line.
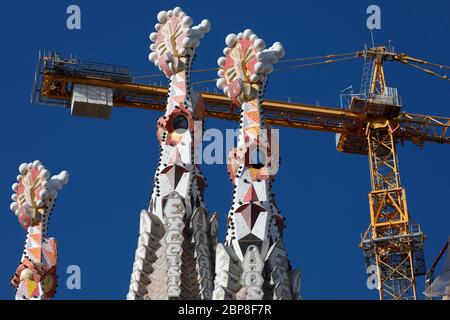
<point x="56" y="77"/>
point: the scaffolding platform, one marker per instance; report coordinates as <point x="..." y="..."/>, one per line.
<point x="414" y="239"/>
<point x="387" y="105"/>
<point x="57" y="90"/>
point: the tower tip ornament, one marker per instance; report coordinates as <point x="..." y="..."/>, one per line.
<point x="34" y="197"/>
<point x="175" y="40"/>
<point x="245" y="65"/>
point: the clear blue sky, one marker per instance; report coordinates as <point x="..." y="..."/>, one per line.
<point x="321" y="192"/>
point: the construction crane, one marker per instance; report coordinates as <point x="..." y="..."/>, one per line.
<point x="372" y="124"/>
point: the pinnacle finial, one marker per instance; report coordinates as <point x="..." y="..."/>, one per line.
<point x="246" y="62"/>
<point x="175" y="39"/>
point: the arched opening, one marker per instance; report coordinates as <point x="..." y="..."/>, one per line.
<point x="256" y="158"/>
<point x="180" y="124"/>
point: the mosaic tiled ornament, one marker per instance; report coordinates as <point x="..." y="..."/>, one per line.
<point x="177" y="236"/>
<point x="34" y="197"/>
<point x="253" y="263"/>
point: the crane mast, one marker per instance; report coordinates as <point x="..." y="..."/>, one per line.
<point x="392" y="243"/>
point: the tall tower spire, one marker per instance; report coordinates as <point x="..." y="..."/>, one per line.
<point x="34" y="197"/>
<point x="173" y="258"/>
<point x="252" y="264"/>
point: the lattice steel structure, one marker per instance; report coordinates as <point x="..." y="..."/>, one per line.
<point x="393" y="244"/>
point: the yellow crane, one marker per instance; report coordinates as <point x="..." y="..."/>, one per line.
<point x="372" y="124"/>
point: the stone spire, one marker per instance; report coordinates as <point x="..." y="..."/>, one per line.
<point x="34" y="197"/>
<point x="177" y="236"/>
<point x="252" y="264"/>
